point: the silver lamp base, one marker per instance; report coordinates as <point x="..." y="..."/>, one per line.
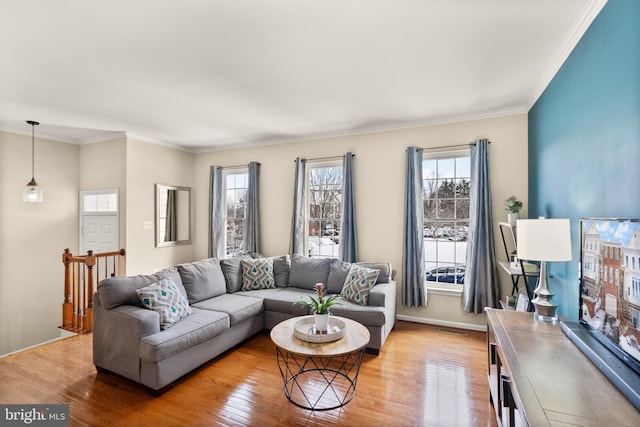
<point x="545" y="309"/>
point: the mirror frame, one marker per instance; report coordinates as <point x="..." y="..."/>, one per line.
<point x="163" y="187"/>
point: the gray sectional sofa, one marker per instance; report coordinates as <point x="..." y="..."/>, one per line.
<point x="221" y="308"/>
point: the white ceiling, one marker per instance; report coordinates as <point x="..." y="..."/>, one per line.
<point x="210" y="74"/>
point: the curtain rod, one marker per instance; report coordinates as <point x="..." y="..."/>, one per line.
<point x="473" y="144"/>
<point x="326" y="158"/>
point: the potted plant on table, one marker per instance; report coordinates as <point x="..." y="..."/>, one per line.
<point x="320" y="306"/>
<point x="512" y="206"/>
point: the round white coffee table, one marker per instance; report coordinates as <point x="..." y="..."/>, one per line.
<point x="319" y="376"/>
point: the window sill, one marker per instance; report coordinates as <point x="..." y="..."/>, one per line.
<point x="442" y="290"/>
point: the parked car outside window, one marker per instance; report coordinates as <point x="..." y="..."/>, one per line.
<point x="454" y="274"/>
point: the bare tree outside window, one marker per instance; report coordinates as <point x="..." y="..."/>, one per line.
<point x="236" y="188"/>
<point x="324" y="210"/>
<point x="446" y="200"/>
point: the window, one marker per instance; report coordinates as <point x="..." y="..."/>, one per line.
<point x="236" y="183"/>
<point x="323" y="211"/>
<point x="446" y="198"/>
<point x="100" y="202"/>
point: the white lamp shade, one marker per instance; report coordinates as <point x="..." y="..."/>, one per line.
<point x="544" y="239"/>
<point x="32" y="194"/>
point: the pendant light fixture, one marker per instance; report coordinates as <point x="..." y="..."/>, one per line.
<point x="32" y="193"/>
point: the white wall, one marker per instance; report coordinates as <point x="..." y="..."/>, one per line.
<point x="379" y="184"/>
<point x="147" y="165"/>
<point x="33" y="237"/>
<point x="103" y="165"/>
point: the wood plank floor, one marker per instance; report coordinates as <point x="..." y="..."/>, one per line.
<point x="422" y="377"/>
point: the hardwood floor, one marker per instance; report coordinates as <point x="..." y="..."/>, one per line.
<point x="422" y="377"/>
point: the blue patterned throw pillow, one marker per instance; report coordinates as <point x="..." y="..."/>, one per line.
<point x="358" y="284"/>
<point x="165" y="298"/>
<point x="257" y="274"/>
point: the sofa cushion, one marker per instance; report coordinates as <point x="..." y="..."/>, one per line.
<point x="202" y="279"/>
<point x="238" y="307"/>
<point x="173" y="274"/>
<point x="358" y="284"/>
<point x="257" y="274"/>
<point x="281" y="270"/>
<point x="201" y="326"/>
<point x="116" y="291"/>
<point x="386" y="273"/>
<point x="284" y="301"/>
<point x="338" y="272"/>
<point x="306" y="272"/>
<point x="165" y="298"/>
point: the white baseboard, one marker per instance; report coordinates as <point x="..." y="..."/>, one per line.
<point x="438" y="322"/>
<point x="63" y="334"/>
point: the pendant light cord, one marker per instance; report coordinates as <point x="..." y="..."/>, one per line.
<point x="33" y="149"/>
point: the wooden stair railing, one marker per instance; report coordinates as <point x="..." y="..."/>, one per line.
<point x="82" y="273"/>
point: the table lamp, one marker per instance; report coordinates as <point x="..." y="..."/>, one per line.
<point x="544" y="240"/>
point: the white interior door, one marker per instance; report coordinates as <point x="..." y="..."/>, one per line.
<point x="99" y="221"/>
<point x="99" y="233"/>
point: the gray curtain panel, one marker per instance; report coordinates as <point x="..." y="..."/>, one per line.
<point x="348" y="239"/>
<point x="216" y="214"/>
<point x="171" y="225"/>
<point x="251" y="239"/>
<point x="480" y="287"/>
<point x="414" y="292"/>
<point x="297" y="221"/>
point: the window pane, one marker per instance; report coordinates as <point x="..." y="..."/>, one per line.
<point x="446" y="203"/>
<point x="324" y="197"/>
<point x="235" y="209"/>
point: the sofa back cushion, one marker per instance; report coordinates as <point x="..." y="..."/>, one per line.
<point x="338" y="272"/>
<point x="202" y="279"/>
<point x="282" y="269"/>
<point x="386" y="273"/>
<point x="306" y="272"/>
<point x="173" y="274"/>
<point x="117" y="291"/>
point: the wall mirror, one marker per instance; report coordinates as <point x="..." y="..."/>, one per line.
<point x="173" y="215"/>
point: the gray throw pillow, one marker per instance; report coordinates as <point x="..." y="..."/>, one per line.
<point x="359" y="283"/>
<point x="232" y="270"/>
<point x="306" y="272"/>
<point x="338" y="272"/>
<point x="202" y="279"/>
<point x="281" y="270"/>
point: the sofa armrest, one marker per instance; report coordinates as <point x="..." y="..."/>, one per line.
<point x="116" y="337"/>
<point x="383" y="295"/>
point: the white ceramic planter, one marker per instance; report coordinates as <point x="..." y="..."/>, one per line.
<point x="321" y="321"/>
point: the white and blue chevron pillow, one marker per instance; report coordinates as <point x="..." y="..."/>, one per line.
<point x="257" y="274"/>
<point x="358" y="284"/>
<point x="164" y="298"/>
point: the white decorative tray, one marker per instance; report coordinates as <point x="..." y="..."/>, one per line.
<point x="305" y="329"/>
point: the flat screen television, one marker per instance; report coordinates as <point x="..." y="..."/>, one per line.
<point x="608" y="331"/>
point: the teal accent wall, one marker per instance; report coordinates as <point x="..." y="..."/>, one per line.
<point x="584" y="137"/>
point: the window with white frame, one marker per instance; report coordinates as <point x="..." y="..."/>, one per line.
<point x="236" y="186"/>
<point x="446" y="198"/>
<point x="323" y="209"/>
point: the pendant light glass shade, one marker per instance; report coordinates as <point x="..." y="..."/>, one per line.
<point x="32" y="193"/>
